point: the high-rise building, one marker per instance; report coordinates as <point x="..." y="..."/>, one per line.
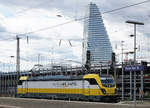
<point x="95" y="38"/>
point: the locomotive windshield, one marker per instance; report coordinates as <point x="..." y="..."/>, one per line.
<point x="107" y="81"/>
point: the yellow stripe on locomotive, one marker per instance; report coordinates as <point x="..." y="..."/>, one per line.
<point x="90" y="85"/>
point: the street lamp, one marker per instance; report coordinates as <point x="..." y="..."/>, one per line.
<point x="58" y="15"/>
<point x="135" y="23"/>
<point x="132" y="35"/>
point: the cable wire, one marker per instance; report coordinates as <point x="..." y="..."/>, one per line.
<point x="51" y="27"/>
<point x="117" y="9"/>
<point x="127" y="6"/>
<point x="79" y="19"/>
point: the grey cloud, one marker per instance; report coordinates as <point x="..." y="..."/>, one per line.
<point x="2" y="29"/>
<point x="4" y="34"/>
<point x="70" y="7"/>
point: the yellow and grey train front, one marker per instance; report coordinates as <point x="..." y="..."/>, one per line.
<point x="101" y="88"/>
<point x="86" y="87"/>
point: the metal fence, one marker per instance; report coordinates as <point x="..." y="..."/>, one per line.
<point x="8" y="80"/>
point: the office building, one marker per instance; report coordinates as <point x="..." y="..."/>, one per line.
<point x="95" y="38"/>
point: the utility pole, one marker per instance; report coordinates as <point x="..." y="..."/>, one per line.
<point x="114" y="64"/>
<point x="130" y="84"/>
<point x="135" y="23"/>
<point x="18" y="58"/>
<point x="122" y="72"/>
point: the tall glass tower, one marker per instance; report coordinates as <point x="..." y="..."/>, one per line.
<point x="95" y="38"/>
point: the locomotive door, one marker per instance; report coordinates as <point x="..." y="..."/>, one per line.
<point x="86" y="87"/>
<point x="24" y="87"/>
<point x="22" y="84"/>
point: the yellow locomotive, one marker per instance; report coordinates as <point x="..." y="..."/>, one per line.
<point x="90" y="87"/>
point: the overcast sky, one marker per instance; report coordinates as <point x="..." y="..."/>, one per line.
<point x="20" y="16"/>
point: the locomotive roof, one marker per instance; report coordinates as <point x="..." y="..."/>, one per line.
<point x="57" y="77"/>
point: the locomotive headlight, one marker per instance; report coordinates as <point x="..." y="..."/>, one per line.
<point x="104" y="91"/>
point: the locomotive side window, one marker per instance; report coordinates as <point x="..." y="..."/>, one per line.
<point x="22" y="79"/>
<point x="92" y="81"/>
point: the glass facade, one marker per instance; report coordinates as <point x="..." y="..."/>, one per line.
<point x="95" y="38"/>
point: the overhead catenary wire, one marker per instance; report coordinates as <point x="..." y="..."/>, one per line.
<point x="51" y="27"/>
<point x="69" y="41"/>
<point x="127" y="6"/>
<point x="79" y="19"/>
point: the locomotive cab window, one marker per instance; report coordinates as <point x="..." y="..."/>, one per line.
<point x="107" y="81"/>
<point x="92" y="81"/>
